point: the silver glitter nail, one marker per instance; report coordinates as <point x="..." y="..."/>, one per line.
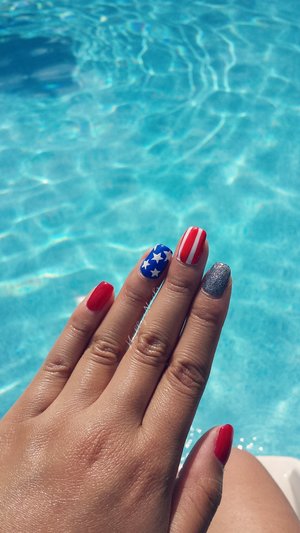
<point x="216" y="280"/>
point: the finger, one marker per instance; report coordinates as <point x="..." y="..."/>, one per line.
<point x="63" y="357"/>
<point x="144" y="362"/>
<point x="198" y="489"/>
<point x="173" y="405"/>
<point x="108" y="344"/>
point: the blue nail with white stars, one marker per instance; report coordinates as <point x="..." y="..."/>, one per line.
<point x="156" y="262"/>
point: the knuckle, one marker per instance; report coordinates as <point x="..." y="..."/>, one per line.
<point x="206" y="317"/>
<point x="179" y="285"/>
<point x="133" y="296"/>
<point x="78" y="327"/>
<point x="105" y="351"/>
<point x="151" y="348"/>
<point x="57" y="366"/>
<point x="188" y="377"/>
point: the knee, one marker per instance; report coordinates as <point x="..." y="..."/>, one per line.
<point x="240" y="459"/>
<point x="241" y="455"/>
<point x="243" y="465"/>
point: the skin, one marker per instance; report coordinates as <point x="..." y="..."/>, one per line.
<point x="252" y="501"/>
<point x="95" y="441"/>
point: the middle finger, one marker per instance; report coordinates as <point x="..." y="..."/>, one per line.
<point x="141" y="367"/>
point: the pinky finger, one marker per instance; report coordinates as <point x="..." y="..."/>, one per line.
<point x="63" y="357"/>
<point x="198" y="489"/>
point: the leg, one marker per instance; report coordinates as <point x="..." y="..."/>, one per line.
<point x="252" y="502"/>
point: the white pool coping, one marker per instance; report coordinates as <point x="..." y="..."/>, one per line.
<point x="286" y="472"/>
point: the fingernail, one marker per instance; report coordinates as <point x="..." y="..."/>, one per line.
<point x="100" y="296"/>
<point x="156" y="262"/>
<point x="224" y="443"/>
<point x="216" y="280"/>
<point x="191" y="245"/>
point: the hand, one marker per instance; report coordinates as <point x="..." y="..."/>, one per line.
<point x="94" y="443"/>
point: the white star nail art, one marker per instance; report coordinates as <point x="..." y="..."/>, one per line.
<point x="145" y="264"/>
<point x="157" y="257"/>
<point x="155" y="273"/>
<point x="168" y="256"/>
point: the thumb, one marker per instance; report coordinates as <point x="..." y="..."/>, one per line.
<point x="198" y="488"/>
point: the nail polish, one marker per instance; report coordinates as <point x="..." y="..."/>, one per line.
<point x="216" y="280"/>
<point x="100" y="296"/>
<point x="224" y="443"/>
<point x="191" y="245"/>
<point x="156" y="262"/>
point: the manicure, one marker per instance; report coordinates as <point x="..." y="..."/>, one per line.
<point x="191" y="245"/>
<point x="224" y="443"/>
<point x="156" y="262"/>
<point x="216" y="280"/>
<point x="100" y="296"/>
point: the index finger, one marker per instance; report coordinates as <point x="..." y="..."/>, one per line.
<point x="173" y="405"/>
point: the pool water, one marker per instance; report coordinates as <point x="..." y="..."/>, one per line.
<point x="124" y="122"/>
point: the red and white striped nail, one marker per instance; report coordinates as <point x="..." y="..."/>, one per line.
<point x="191" y="245"/>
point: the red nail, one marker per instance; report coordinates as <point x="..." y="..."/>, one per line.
<point x="224" y="443"/>
<point x="191" y="245"/>
<point x="100" y="296"/>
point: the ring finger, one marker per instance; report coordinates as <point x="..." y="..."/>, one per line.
<point x="110" y="341"/>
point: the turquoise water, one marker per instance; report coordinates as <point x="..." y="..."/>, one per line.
<point x="123" y="123"/>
